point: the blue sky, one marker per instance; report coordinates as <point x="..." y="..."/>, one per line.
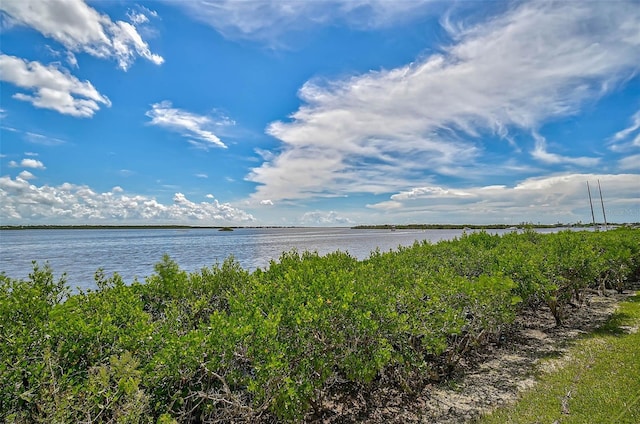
<point x="325" y="112"/>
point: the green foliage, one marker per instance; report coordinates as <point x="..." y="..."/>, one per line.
<point x="226" y="345"/>
<point x="25" y="307"/>
<point x="619" y="259"/>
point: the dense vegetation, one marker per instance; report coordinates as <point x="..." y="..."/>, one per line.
<point x="224" y="344"/>
<point x="465" y="226"/>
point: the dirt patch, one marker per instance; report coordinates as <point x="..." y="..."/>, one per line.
<point x="487" y="380"/>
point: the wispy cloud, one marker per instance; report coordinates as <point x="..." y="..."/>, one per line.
<point x="42" y="139"/>
<point x="23" y="202"/>
<point x="196" y="128"/>
<point x="384" y="130"/>
<point x="80" y="28"/>
<point x="540" y="153"/>
<point x="628" y="138"/>
<point x="268" y="20"/>
<point x="35" y="138"/>
<point x="53" y="87"/>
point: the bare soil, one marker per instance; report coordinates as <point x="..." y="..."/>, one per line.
<point x="485" y="381"/>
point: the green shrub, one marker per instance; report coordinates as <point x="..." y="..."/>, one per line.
<point x="222" y="344"/>
<point x="25" y="307"/>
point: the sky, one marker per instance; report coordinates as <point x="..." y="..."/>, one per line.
<point x="318" y="113"/>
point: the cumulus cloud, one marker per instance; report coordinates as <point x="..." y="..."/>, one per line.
<point x="81" y="28"/>
<point x="198" y="129"/>
<point x="52" y="87"/>
<point x="384" y="130"/>
<point x="324" y="218"/>
<point x="27" y="163"/>
<point x="26" y="175"/>
<point x="22" y="202"/>
<point x="32" y="163"/>
<point x="266" y="202"/>
<point x="560" y="197"/>
<point x="268" y="20"/>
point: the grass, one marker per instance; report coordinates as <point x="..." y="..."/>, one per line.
<point x="598" y="383"/>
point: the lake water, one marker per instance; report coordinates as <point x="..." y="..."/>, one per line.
<point x="133" y="252"/>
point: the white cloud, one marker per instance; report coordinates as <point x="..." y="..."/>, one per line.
<point x="22" y="202"/>
<point x="126" y="172"/>
<point x="81" y="28"/>
<point x="27" y="163"/>
<point x="628" y="138"/>
<point x="540" y="153"/>
<point x="419" y="192"/>
<point x="323" y="218"/>
<point x="560" y="197"/>
<point x="42" y="139"/>
<point x="381" y="131"/>
<point x="268" y="20"/>
<point x="32" y="163"/>
<point x="210" y="196"/>
<point x="53" y="87"/>
<point x="201" y="175"/>
<point x="630" y="163"/>
<point x="71" y="60"/>
<point x="30" y="154"/>
<point x="266" y="202"/>
<point x="137" y="18"/>
<point x="26" y="175"/>
<point x="197" y="128"/>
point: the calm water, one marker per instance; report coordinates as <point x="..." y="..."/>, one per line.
<point x="132" y="253"/>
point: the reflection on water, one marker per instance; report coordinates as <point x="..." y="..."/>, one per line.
<point x="133" y="252"/>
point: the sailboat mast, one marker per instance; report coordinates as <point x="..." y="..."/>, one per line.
<point x="602" y="202"/>
<point x="593" y="217"/>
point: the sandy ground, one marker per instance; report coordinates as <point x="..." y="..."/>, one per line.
<point x="490" y="379"/>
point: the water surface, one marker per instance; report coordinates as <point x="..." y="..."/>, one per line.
<point x="133" y="252"/>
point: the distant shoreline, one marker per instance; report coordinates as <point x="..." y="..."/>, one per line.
<point x="125" y="227"/>
<point x="465" y="226"/>
<point x="357" y="227"/>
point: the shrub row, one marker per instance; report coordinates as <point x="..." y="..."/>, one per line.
<point x="226" y="345"/>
